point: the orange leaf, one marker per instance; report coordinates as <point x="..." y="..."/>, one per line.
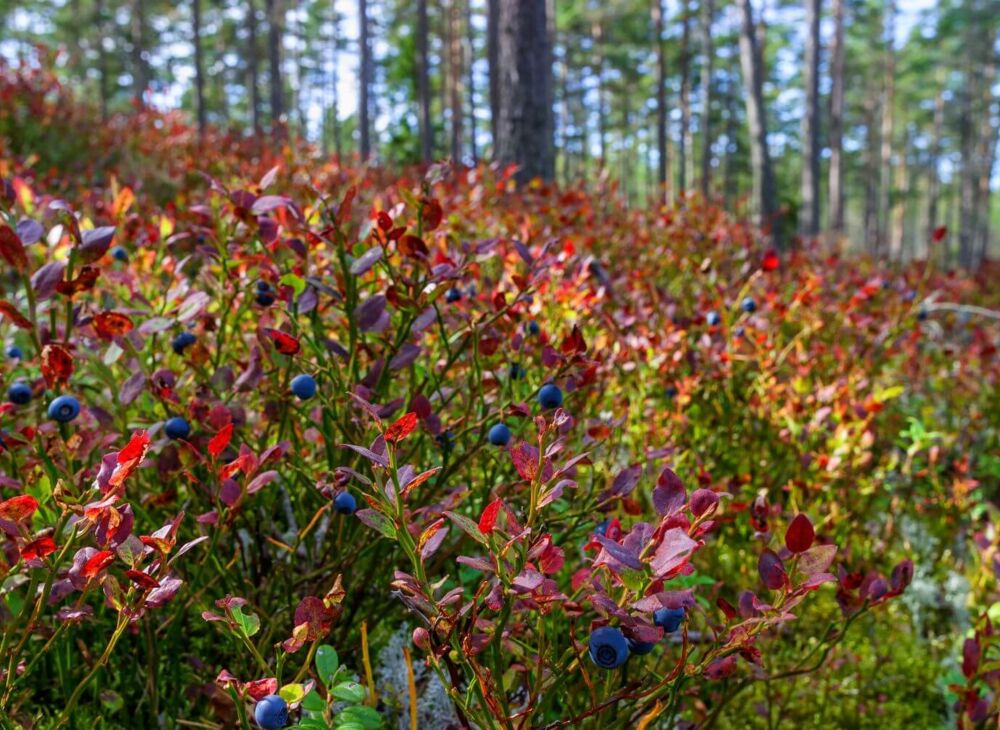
<point x="489" y="516"/>
<point x="109" y="325"/>
<point x="39" y="548"/>
<point x="97" y="563"/>
<point x="57" y="364"/>
<point x="401" y="428"/>
<point x="19" y="508"/>
<point x="419" y="479"/>
<point x="220" y="441"/>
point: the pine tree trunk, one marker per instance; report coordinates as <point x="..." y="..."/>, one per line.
<point x="836" y="180"/>
<point x="662" y="167"/>
<point x="705" y="121"/>
<point x="888" y="126"/>
<point x="274" y="31"/>
<point x="934" y="178"/>
<point x="602" y="115"/>
<point x="137" y="23"/>
<point x="810" y="124"/>
<point x="525" y="129"/>
<point x="469" y="54"/>
<point x="424" y="85"/>
<point x="897" y="218"/>
<point x="684" y="147"/>
<point x="871" y="172"/>
<point x="199" y="65"/>
<point x="455" y="75"/>
<point x="102" y="59"/>
<point x="364" y="106"/>
<point x="253" y="63"/>
<point x="765" y="197"/>
<point x="492" y="60"/>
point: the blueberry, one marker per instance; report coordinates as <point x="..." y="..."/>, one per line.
<point x="922" y="313"/>
<point x="263" y="286"/>
<point x="602" y="527"/>
<point x="608" y="647"/>
<point x="748" y="305"/>
<point x="271" y="713"/>
<point x="712" y="318"/>
<point x="14" y="352"/>
<point x="640" y="647"/>
<point x="119" y="253"/>
<point x="304" y="386"/>
<point x="500" y="435"/>
<point x="64" y="409"/>
<point x="345" y="504"/>
<point x="909" y="296"/>
<point x="738" y="332"/>
<point x="516" y="371"/>
<point x="19" y="393"/>
<point x="177" y="428"/>
<point x="453" y="295"/>
<point x="671" y="391"/>
<point x="182" y="341"/>
<point x="533" y="328"/>
<point x="445" y="439"/>
<point x="264" y="299"/>
<point x="550" y="396"/>
<point x="669" y="619"/>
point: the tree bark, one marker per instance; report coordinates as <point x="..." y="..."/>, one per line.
<point x="525" y="129"/>
<point x="810" y="124"/>
<point x="455" y="75"/>
<point x="424" y="85"/>
<point x="596" y="37"/>
<point x="683" y="149"/>
<point x="934" y="177"/>
<point x="364" y="125"/>
<point x="888" y="125"/>
<point x="102" y="59"/>
<point x="836" y="181"/>
<point x="469" y="54"/>
<point x="199" y="65"/>
<point x="765" y="196"/>
<point x="137" y="23"/>
<point x="492" y="61"/>
<point x="274" y="31"/>
<point x="253" y="63"/>
<point x="656" y="12"/>
<point x="705" y="122"/>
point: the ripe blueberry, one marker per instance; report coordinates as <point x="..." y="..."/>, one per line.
<point x="271" y="713"/>
<point x="608" y="647"/>
<point x="602" y="527"/>
<point x="533" y="328"/>
<point x="500" y="435"/>
<point x="669" y="619"/>
<point x="119" y="253"/>
<point x="712" y="318"/>
<point x="516" y="371"/>
<point x="345" y="504"/>
<point x="177" y="428"/>
<point x="304" y="386"/>
<point x="182" y="341"/>
<point x="64" y="409"/>
<point x="550" y="396"/>
<point x="748" y="305"/>
<point x="671" y="391"/>
<point x="19" y="393"/>
<point x="14" y="352"/>
<point x="453" y="295"/>
<point x="640" y="647"/>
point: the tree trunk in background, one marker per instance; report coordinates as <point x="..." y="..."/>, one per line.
<point x="138" y="63"/>
<point x="684" y="148"/>
<point x="492" y="60"/>
<point x="985" y="154"/>
<point x="274" y="29"/>
<point x="454" y="49"/>
<point x="364" y="81"/>
<point x="602" y="116"/>
<point x="656" y="12"/>
<point x="424" y="85"/>
<point x="836" y="181"/>
<point x="469" y="54"/>
<point x="871" y="171"/>
<point x="199" y="65"/>
<point x="253" y="64"/>
<point x="934" y="180"/>
<point x="705" y="122"/>
<point x="897" y="218"/>
<point x="888" y="125"/>
<point x="524" y="132"/>
<point x="809" y="224"/>
<point x="102" y="58"/>
<point x="765" y="196"/>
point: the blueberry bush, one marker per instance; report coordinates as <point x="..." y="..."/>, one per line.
<point x="294" y="444"/>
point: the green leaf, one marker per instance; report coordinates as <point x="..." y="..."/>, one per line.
<point x="327" y="662"/>
<point x="312" y="723"/>
<point x="249" y="622"/>
<point x="313" y="702"/>
<point x="349" y="692"/>
<point x="297" y="283"/>
<point x="467" y="526"/>
<point x="292" y="693"/>
<point x="361" y="715"/>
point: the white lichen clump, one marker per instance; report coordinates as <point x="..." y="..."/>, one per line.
<point x="434" y="709"/>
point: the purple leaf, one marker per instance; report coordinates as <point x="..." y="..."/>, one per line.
<point x="369" y="313"/>
<point x="44" y="280"/>
<point x="379" y="459"/>
<point x="619" y="552"/>
<point x="672" y="552"/>
<point x="669" y="494"/>
<point x="367" y="260"/>
<point x="95" y="243"/>
<point x="267" y="203"/>
<point x="626" y="480"/>
<point x="132" y="387"/>
<point x="406" y="355"/>
<point x="772" y="570"/>
<point x="703" y="500"/>
<point x="261" y="481"/>
<point x="29" y="231"/>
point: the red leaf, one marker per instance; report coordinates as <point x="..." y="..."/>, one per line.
<point x="772" y="570"/>
<point x="98" y="562"/>
<point x="220" y="441"/>
<point x="419" y="479"/>
<point x="430" y="211"/>
<point x="136" y="447"/>
<point x="57" y="364"/>
<point x="284" y="343"/>
<point x="412" y="246"/>
<point x="489" y="516"/>
<point x="939" y="233"/>
<point x="109" y="325"/>
<point x="142" y="580"/>
<point x="401" y="428"/>
<point x="771" y="261"/>
<point x="39" y="548"/>
<point x="384" y="221"/>
<point x="10" y="311"/>
<point x="19" y="508"/>
<point x="800" y="534"/>
<point x="970" y="657"/>
<point x="12" y="249"/>
<point x="83" y="282"/>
